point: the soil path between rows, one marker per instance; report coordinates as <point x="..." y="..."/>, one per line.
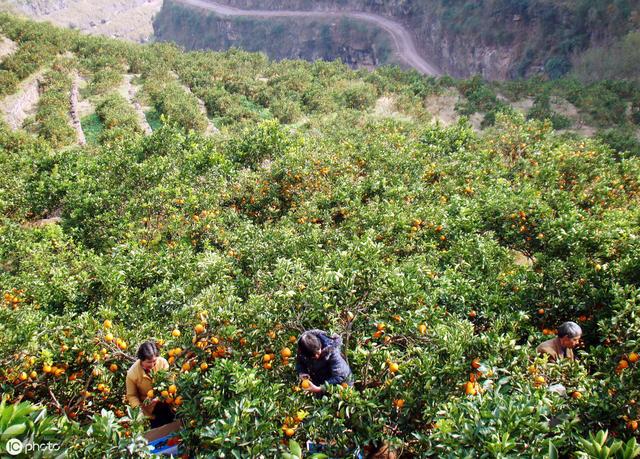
<point x="130" y="92"/>
<point x="403" y="41"/>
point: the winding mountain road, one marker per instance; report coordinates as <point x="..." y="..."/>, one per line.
<point x="405" y="47"/>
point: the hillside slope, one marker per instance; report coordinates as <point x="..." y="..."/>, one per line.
<point x="497" y="39"/>
<point x="325" y="198"/>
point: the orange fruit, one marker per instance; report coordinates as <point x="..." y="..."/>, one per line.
<point x="380" y="326"/>
<point x="172" y="389"/>
<point x="576" y="394"/>
<point x="540" y="311"/>
<point x="204" y="366"/>
<point x="472" y="314"/>
<point x="33" y="375"/>
<point x="622" y="364"/>
<point x="285" y="352"/>
<point x="305" y="384"/>
<point x="475" y="364"/>
<point x="107" y="324"/>
<point x="289" y="432"/>
<point x="186" y="366"/>
<point x="46" y="368"/>
<point x="199" y="328"/>
<point x="469" y="388"/>
<point x="267" y="365"/>
<point x="175" y="333"/>
<point x="633" y="357"/>
<point x="422" y="328"/>
<point x="178" y="401"/>
<point x="266" y="358"/>
<point x="539" y="380"/>
<point x="633" y="425"/>
<point x="23" y="376"/>
<point x="393" y="367"/>
<point x="164" y="393"/>
<point x="108" y="337"/>
<point x="398" y="403"/>
<point x="292" y="339"/>
<point x="150" y="393"/>
<point x="113" y="367"/>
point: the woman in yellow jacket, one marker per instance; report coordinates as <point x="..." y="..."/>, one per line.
<point x="140" y="382"/>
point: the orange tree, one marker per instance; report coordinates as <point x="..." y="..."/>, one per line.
<point x="441" y="256"/>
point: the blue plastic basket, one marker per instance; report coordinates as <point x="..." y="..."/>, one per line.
<point x="160" y="446"/>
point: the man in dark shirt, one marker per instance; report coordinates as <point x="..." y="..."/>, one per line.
<point x="319" y="361"/>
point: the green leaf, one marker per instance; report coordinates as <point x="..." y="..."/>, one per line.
<point x="13" y="431"/>
<point x="295" y="448"/>
<point x="553" y="451"/>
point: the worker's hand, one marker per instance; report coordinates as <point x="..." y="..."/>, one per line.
<point x="304" y="376"/>
<point x="313" y="388"/>
<point x="150" y="404"/>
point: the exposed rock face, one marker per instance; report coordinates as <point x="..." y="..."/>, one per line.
<point x="41" y="7"/>
<point x="356" y="44"/>
<point x="128" y="19"/>
<point x="16" y="107"/>
<point x="495" y="44"/>
<point x="451" y="52"/>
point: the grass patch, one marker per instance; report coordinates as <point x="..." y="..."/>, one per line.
<point x="153" y="118"/>
<point x="92" y="127"/>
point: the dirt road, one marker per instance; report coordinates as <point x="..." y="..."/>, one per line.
<point x="405" y="47"/>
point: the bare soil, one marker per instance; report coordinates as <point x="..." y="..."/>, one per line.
<point x="386" y="108"/>
<point x="16" y="107"/>
<point x="130" y="92"/>
<point x="7" y="47"/>
<point x="442" y="107"/>
<point x="127" y="19"/>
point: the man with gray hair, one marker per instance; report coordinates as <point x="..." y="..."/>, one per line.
<point x="569" y="334"/>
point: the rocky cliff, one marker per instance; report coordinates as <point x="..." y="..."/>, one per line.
<point x="356" y="44"/>
<point x="498" y="39"/>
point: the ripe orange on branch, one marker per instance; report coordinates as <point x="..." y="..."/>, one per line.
<point x="285" y="352"/>
<point x="469" y="388"/>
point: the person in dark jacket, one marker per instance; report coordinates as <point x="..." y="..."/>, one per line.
<point x="320" y="360"/>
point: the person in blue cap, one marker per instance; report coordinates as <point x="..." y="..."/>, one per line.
<point x="320" y="361"/>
